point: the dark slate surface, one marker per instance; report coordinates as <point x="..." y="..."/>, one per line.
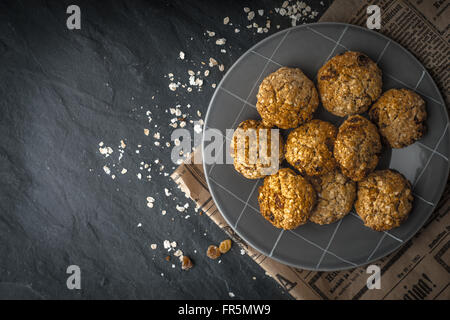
<point x="61" y="93"/>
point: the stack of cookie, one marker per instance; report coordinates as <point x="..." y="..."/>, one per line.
<point x="335" y="165"/>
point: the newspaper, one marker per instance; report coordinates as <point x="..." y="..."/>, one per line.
<point x="420" y="269"/>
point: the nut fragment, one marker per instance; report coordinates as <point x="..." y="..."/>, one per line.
<point x="213" y="252"/>
<point x="225" y="246"/>
<point x="186" y="263"/>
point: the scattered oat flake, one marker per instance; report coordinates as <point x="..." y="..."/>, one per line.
<point x="226" y="20"/>
<point x="173" y="86"/>
<point x="212" y="62"/>
<point x="123" y="171"/>
<point x="106" y="169"/>
<point x="221" y="41"/>
<point x="251" y="15"/>
<point x="181" y="55"/>
<point x="231" y="294"/>
<point x="146" y="132"/>
<point x="260" y="12"/>
<point x="247" y="9"/>
<point x="210" y="33"/>
<point x="153" y="246"/>
<point x="166" y="244"/>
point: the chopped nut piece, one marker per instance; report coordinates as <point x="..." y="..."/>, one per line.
<point x="225" y="246"/>
<point x="186" y="263"/>
<point x="213" y="252"/>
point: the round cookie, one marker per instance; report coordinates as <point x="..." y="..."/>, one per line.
<point x="400" y="115"/>
<point x="384" y="200"/>
<point x="348" y="83"/>
<point x="309" y="148"/>
<point x="357" y="147"/>
<point x="286" y="98"/>
<point x="335" y="197"/>
<point x="286" y="199"/>
<point x="253" y="158"/>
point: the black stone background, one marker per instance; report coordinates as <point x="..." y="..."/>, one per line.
<point x="61" y="93"/>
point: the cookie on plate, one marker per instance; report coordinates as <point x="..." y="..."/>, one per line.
<point x="309" y="148"/>
<point x="251" y="149"/>
<point x="335" y="197"/>
<point x="400" y="115"/>
<point x="384" y="200"/>
<point x="357" y="147"/>
<point x="286" y="199"/>
<point x="286" y="98"/>
<point x="348" y="83"/>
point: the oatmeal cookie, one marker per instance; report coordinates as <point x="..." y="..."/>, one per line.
<point x="348" y="83"/>
<point x="286" y="199"/>
<point x="400" y="115"/>
<point x="286" y="98"/>
<point x="309" y="148"/>
<point x="357" y="147"/>
<point x="384" y="200"/>
<point x="335" y="197"/>
<point x="255" y="161"/>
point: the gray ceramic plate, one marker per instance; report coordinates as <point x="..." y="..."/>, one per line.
<point x="346" y="243"/>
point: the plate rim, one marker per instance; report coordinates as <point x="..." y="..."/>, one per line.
<point x="208" y="113"/>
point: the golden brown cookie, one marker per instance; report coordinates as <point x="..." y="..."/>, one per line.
<point x="335" y="197"/>
<point x="309" y="148"/>
<point x="400" y="115"/>
<point x="384" y="200"/>
<point x="357" y="147"/>
<point x="286" y="98"/>
<point x="348" y="83"/>
<point x="286" y="199"/>
<point x="252" y="159"/>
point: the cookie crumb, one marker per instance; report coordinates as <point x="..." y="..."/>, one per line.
<point x="213" y="252"/>
<point x="225" y="246"/>
<point x="186" y="263"/>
